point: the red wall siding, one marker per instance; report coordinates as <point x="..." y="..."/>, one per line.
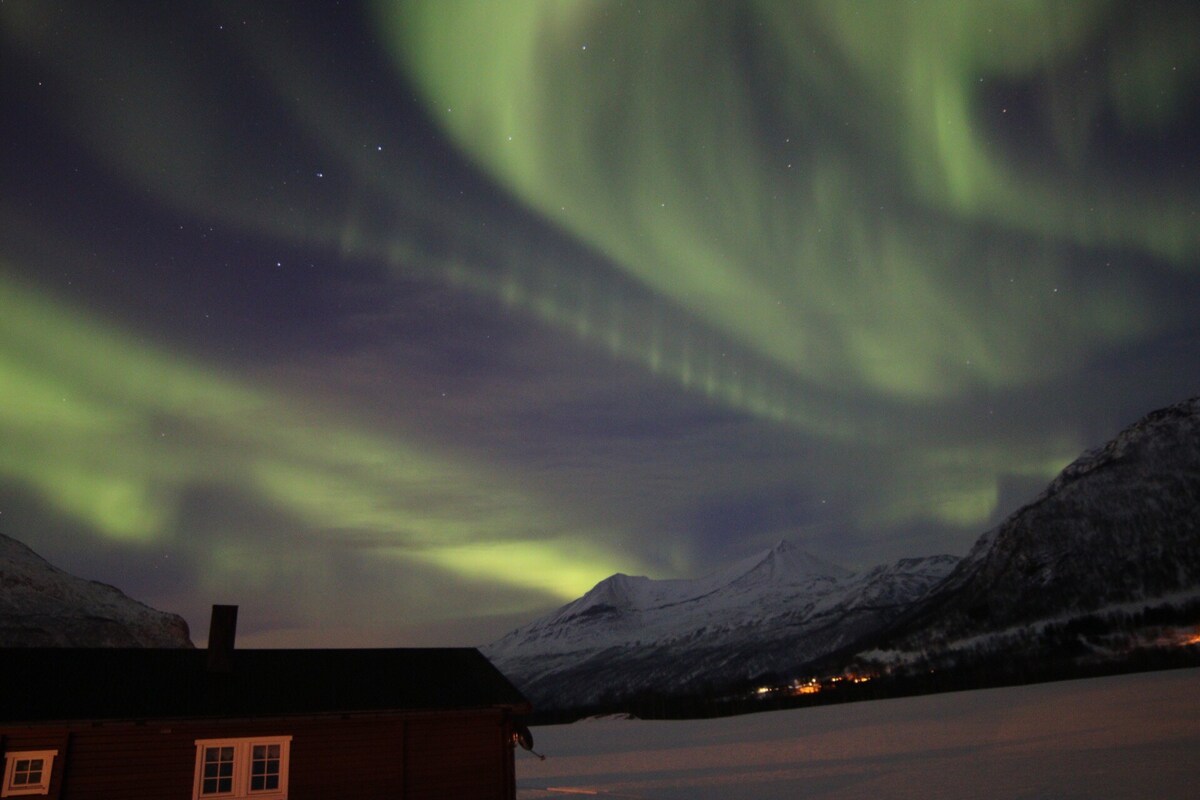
<point x="458" y="755"/>
<point x="456" y="758"/>
<point x="352" y="758"/>
<point x="132" y="762"/>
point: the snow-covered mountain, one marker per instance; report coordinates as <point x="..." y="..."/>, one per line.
<point x="43" y="606"/>
<point x="1116" y="532"/>
<point x="1118" y="529"/>
<point x="767" y="613"/>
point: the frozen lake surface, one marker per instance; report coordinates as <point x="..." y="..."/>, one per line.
<point x="1132" y="736"/>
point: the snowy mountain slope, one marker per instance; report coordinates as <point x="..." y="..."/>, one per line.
<point x="622" y="609"/>
<point x="767" y="613"/>
<point x="43" y="606"/>
<point x="1119" y="525"/>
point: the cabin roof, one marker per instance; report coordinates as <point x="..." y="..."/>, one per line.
<point x="59" y="684"/>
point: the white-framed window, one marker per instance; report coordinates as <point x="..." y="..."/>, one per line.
<point x="27" y="772"/>
<point x="255" y="766"/>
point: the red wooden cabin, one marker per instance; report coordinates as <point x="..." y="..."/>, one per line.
<point x="124" y="724"/>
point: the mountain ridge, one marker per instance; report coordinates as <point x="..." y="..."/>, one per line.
<point x="44" y="606"/>
<point x="1117" y="528"/>
<point x="1120" y="524"/>
<point x="636" y="633"/>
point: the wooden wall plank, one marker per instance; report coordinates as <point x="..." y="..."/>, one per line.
<point x="457" y="755"/>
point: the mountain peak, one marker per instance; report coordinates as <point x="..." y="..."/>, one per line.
<point x="784" y="563"/>
<point x="765" y="612"/>
<point x="41" y="605"/>
<point x="1168" y="428"/>
<point x="1116" y="526"/>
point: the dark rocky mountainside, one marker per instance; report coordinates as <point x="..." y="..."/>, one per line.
<point x="1120" y="526"/>
<point x="43" y="606"/>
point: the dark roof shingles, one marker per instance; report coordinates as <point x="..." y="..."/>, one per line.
<point x="47" y="684"/>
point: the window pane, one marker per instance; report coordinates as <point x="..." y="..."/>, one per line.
<point x="264" y="767"/>
<point x="28" y="771"/>
<point x="261" y="783"/>
<point x="218" y="770"/>
<point x="218" y="754"/>
<point x="216" y="785"/>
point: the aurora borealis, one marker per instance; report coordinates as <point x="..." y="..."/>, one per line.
<point x="400" y="323"/>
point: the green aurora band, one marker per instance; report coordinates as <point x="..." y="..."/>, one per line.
<point x="835" y="240"/>
<point x="111" y="432"/>
<point x="807" y="205"/>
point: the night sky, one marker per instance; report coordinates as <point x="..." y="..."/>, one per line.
<point x="400" y="324"/>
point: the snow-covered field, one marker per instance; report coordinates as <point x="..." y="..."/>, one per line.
<point x="1133" y="736"/>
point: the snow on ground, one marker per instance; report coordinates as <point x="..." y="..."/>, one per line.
<point x="1132" y="736"/>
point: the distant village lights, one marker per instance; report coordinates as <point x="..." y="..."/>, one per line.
<point x="798" y="687"/>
